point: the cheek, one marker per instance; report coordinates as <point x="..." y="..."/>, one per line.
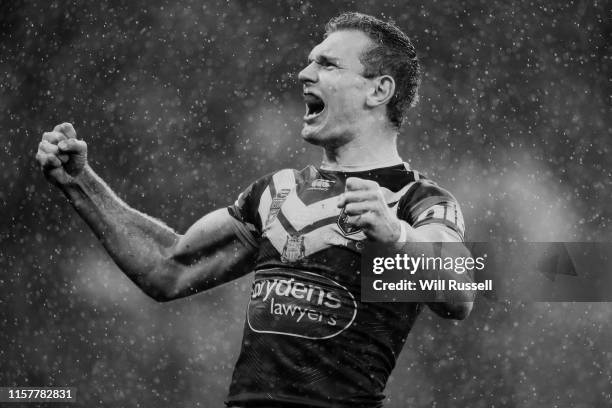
<point x="340" y="85"/>
<point x="346" y="95"/>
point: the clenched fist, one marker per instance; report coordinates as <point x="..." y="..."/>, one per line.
<point x="365" y="205"/>
<point x="61" y="155"/>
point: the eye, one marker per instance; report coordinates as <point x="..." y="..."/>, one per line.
<point x="326" y="64"/>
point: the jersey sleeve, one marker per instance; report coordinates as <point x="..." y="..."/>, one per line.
<point x="427" y="203"/>
<point x="245" y="211"/>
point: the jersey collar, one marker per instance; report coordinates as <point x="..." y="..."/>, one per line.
<point x="365" y="167"/>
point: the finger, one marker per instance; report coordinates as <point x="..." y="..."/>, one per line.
<point x="72" y="146"/>
<point x="356" y="196"/>
<point x="358" y="208"/>
<point x="48" y="161"/>
<point x="67" y="129"/>
<point x="360" y="221"/>
<point x="353" y="220"/>
<point x="47" y="147"/>
<point x="53" y="137"/>
<point x="355" y="183"/>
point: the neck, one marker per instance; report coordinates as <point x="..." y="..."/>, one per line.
<point x="361" y="153"/>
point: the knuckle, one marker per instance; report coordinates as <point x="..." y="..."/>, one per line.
<point x="372" y="196"/>
<point x="68" y="129"/>
<point x="44" y="159"/>
<point x="352" y="181"/>
<point x="49" y="148"/>
<point x="367" y="219"/>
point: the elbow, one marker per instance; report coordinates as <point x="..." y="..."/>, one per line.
<point x="160" y="293"/>
<point x="162" y="285"/>
<point x="460" y="311"/>
<point x="160" y="296"/>
<point x="455" y="311"/>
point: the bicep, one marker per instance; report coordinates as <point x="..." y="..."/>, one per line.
<point x="437" y="232"/>
<point x="209" y="254"/>
<point x="210" y="231"/>
<point x="457" y="308"/>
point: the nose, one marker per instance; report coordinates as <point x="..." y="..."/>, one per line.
<point x="308" y="74"/>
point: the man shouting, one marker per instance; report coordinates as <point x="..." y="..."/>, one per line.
<point x="308" y="339"/>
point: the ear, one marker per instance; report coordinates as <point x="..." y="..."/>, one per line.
<point x="382" y="91"/>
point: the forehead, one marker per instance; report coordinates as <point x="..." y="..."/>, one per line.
<point x="344" y="46"/>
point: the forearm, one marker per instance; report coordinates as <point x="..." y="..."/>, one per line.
<point x="136" y="242"/>
<point x="432" y="241"/>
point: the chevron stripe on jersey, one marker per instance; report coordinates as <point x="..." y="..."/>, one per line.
<point x="300" y="207"/>
<point x="274" y="195"/>
<point x="316" y="223"/>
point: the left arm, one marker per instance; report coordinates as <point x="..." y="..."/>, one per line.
<point x="365" y="205"/>
<point x="455" y="304"/>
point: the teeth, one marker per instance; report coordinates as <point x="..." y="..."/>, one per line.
<point x="308" y="116"/>
<point x="314" y="106"/>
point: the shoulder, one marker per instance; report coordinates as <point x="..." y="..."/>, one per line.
<point x="426" y="202"/>
<point x="276" y="181"/>
<point x="423" y="191"/>
<point x="261" y="193"/>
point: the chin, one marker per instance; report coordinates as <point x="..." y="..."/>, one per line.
<point x="316" y="135"/>
<point x="321" y="136"/>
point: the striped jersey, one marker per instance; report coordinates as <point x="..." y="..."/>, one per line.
<point x="308" y="339"/>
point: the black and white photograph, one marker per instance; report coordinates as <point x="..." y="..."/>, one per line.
<point x="302" y="204"/>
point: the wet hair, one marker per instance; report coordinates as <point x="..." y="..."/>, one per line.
<point x="393" y="54"/>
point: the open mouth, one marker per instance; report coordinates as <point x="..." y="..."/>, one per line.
<point x="314" y="106"/>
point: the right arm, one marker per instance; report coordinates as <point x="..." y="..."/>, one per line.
<point x="164" y="264"/>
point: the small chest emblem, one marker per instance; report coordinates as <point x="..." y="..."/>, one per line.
<point x="294" y="249"/>
<point x="345" y="226"/>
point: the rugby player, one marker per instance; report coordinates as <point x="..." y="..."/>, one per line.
<point x="308" y="339"/>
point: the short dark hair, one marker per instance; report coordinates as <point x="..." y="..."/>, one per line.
<point x="393" y="55"/>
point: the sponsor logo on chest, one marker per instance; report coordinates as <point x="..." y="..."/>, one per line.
<point x="304" y="304"/>
<point x="321" y="184"/>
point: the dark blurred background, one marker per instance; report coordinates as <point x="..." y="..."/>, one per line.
<point x="184" y="103"/>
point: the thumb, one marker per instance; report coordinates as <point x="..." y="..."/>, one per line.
<point x="67" y="129"/>
<point x="72" y="145"/>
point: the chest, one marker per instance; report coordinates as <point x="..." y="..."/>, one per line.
<point x="303" y="218"/>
